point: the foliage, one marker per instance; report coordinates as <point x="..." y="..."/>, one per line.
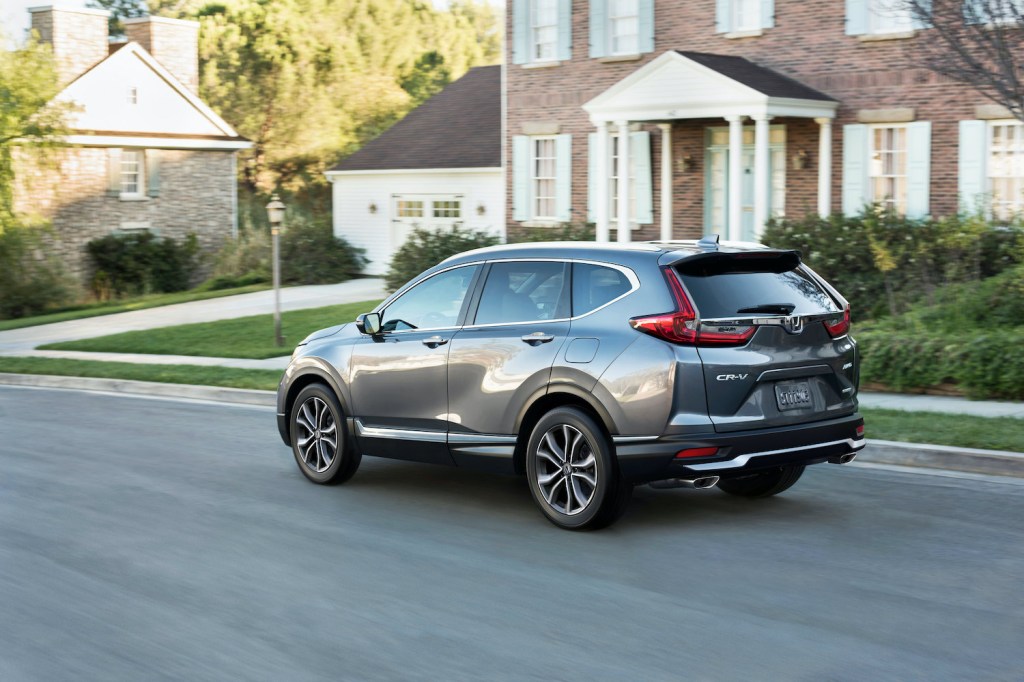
<point x="885" y="263"/>
<point x="566" y="232"/>
<point x="426" y="248"/>
<point x="28" y="81"/>
<point x="309" y="81"/>
<point x="311" y="254"/>
<point x="242" y="261"/>
<point x="30" y="283"/>
<point x="141" y="263"/>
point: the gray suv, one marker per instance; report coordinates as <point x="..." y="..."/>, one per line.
<point x="591" y="368"/>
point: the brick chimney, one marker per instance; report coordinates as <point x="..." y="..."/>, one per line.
<point x="78" y="37"/>
<point x="173" y="42"/>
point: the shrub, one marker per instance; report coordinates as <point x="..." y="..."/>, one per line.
<point x="566" y="232"/>
<point x="311" y="254"/>
<point x="426" y="248"/>
<point x="242" y="261"/>
<point x="142" y="263"/>
<point x="30" y="281"/>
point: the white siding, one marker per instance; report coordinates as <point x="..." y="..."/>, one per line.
<point x="353" y="194"/>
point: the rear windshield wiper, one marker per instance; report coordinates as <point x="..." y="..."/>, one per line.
<point x="770" y="308"/>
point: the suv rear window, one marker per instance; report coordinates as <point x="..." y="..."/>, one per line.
<point x="725" y="287"/>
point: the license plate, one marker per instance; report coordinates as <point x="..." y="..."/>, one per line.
<point x="794" y="395"/>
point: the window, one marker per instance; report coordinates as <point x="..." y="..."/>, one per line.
<point x="888" y="16"/>
<point x="543" y="178"/>
<point x="133" y="95"/>
<point x="624" y="26"/>
<point x="723" y="291"/>
<point x="613" y="186"/>
<point x="887" y="168"/>
<point x="447" y="209"/>
<point x="993" y="11"/>
<point x="746" y="15"/>
<point x="524" y="292"/>
<point x="543" y="30"/>
<point x="407" y="208"/>
<point x="131" y="173"/>
<point x="434" y="303"/>
<point x="595" y="285"/>
<point x="1006" y="168"/>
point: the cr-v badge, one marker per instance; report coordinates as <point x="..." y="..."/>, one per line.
<point x="730" y="377"/>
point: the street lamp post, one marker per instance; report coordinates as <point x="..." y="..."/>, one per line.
<point x="275" y="212"/>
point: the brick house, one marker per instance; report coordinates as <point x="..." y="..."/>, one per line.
<point x="144" y="152"/>
<point x="727" y="112"/>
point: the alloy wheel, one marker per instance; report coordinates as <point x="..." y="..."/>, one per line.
<point x="566" y="469"/>
<point x="317" y="434"/>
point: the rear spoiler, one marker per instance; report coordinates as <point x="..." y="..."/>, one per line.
<point x="721" y="262"/>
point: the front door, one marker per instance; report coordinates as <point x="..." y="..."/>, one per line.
<point x="716" y="181"/>
<point x="399" y="379"/>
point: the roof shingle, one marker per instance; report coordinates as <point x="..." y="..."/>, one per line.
<point x="760" y="78"/>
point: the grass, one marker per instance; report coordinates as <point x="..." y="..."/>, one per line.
<point x="243" y="337"/>
<point x="263" y="379"/>
<point x="126" y="305"/>
<point x="987" y="433"/>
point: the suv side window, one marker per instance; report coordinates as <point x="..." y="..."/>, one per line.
<point x="434" y="303"/>
<point x="595" y="285"/>
<point x="524" y="291"/>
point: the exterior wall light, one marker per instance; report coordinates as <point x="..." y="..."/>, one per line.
<point x="800" y="160"/>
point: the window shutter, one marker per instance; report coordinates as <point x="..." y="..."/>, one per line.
<point x="152" y="180"/>
<point x="919" y="168"/>
<point x="598" y="28"/>
<point x="521" y="177"/>
<point x="975" y="12"/>
<point x="723" y="16"/>
<point x="592" y="177"/>
<point x="563" y="177"/>
<point x="640" y="151"/>
<point x="855" y="168"/>
<point x="645" y="22"/>
<point x="564" y="30"/>
<point x="856" y="17"/>
<point x="520" y="31"/>
<point x="113" y="172"/>
<point x="767" y="13"/>
<point x="919" y="22"/>
<point x="971" y="166"/>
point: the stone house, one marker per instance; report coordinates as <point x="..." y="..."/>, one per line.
<point x="723" y="113"/>
<point x="437" y="168"/>
<point x="143" y="151"/>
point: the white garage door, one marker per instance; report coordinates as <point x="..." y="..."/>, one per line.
<point x="426" y="211"/>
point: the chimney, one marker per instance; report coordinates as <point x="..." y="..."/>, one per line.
<point x="173" y="42"/>
<point x="78" y="37"/>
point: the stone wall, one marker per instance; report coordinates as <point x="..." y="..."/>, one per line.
<point x="78" y="37"/>
<point x="69" y="189"/>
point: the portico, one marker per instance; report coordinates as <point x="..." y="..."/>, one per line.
<point x="680" y="86"/>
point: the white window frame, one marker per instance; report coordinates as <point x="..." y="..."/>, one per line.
<point x="1005" y="208"/>
<point x="734" y="19"/>
<point x="535" y="179"/>
<point x="133" y="94"/>
<point x="536" y="28"/>
<point x="613" y="20"/>
<point x="140" y="174"/>
<point x="899" y="204"/>
<point x="888" y="16"/>
<point x="613" y="182"/>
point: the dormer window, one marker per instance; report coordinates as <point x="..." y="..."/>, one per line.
<point x="133" y="95"/>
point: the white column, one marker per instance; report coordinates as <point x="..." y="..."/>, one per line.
<point x="623" y="182"/>
<point x="602" y="202"/>
<point x="666" y="181"/>
<point x="735" y="192"/>
<point x="762" y="172"/>
<point x="824" y="166"/>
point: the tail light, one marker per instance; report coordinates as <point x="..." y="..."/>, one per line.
<point x="682" y="327"/>
<point x="860" y="431"/>
<point x="839" y="326"/>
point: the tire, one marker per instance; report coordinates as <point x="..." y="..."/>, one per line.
<point x="763" y="483"/>
<point x="316" y="405"/>
<point x="594" y="494"/>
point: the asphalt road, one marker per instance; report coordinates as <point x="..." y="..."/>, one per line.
<point x="153" y="539"/>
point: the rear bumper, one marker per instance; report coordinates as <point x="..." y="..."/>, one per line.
<point x="740" y="452"/>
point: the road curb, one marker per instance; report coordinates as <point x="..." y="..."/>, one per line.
<point x="239" y="396"/>
<point x="991" y="462"/>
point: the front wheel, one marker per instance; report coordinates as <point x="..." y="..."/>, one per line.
<point x="763" y="483"/>
<point x="572" y="473"/>
<point x="319" y="441"/>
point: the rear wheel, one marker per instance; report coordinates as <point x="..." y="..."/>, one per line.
<point x="572" y="472"/>
<point x="763" y="483"/>
<point x="319" y="440"/>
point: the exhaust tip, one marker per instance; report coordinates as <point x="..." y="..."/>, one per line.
<point x="701" y="483"/>
<point x="843" y="459"/>
<point x="705" y="482"/>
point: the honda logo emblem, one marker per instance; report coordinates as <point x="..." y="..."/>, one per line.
<point x="793" y="324"/>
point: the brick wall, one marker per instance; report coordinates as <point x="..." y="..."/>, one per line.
<point x="808" y="43"/>
<point x="69" y="189"/>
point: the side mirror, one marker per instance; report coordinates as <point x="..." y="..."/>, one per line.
<point x="368" y="323"/>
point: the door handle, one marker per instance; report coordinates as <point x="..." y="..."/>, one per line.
<point x="434" y="341"/>
<point x="537" y="338"/>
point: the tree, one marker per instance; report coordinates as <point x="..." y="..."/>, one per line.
<point x="119" y="9"/>
<point x="429" y="76"/>
<point x="28" y="119"/>
<point x="979" y="43"/>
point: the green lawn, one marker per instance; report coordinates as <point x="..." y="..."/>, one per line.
<point x="263" y="379"/>
<point x="987" y="433"/>
<point x="126" y="305"/>
<point x="244" y="337"/>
